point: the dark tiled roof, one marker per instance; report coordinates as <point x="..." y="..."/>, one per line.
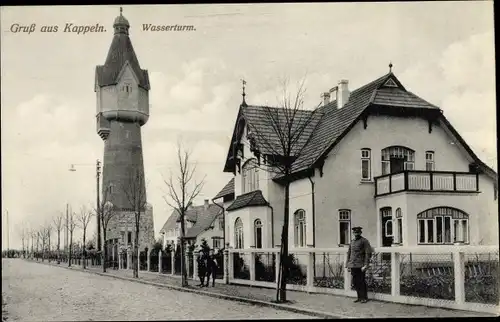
<point x="204" y="220"/>
<point x="263" y="121"/>
<point x="334" y="123"/>
<point x="174" y="218"/>
<point x="226" y="191"/>
<point x="120" y="51"/>
<point x="254" y="198"/>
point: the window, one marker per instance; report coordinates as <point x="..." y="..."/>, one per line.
<point x="300" y="228"/>
<point x="221" y="222"/>
<point x="396" y="159"/>
<point x="443" y="225"/>
<point x="388" y="228"/>
<point x="216" y="243"/>
<point x="366" y="164"/>
<point x="111" y="188"/>
<point x="398" y="238"/>
<point x="127" y="88"/>
<point x="344" y="227"/>
<point x="429" y="161"/>
<point x="258" y="233"/>
<point x="129" y="238"/>
<point x="238" y="233"/>
<point x="250" y="176"/>
<point x="122" y="235"/>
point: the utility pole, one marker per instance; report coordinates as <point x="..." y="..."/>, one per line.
<point x="98" y="173"/>
<point x="7" y="224"/>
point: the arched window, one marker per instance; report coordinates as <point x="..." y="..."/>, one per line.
<point x="238" y="233"/>
<point x="250" y="176"/>
<point x="300" y="228"/>
<point x="257" y="226"/>
<point x="396" y="159"/>
<point x="443" y="225"/>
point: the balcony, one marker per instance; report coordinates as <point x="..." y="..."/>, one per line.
<point x="425" y="181"/>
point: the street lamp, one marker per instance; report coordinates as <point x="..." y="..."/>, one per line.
<point x="98" y="217"/>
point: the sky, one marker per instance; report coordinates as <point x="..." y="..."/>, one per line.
<point x="441" y="51"/>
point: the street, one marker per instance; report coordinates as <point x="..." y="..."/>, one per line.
<point x="36" y="292"/>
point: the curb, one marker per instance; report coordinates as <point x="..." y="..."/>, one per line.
<point x="284" y="307"/>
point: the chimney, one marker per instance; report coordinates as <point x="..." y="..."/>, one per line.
<point x="342" y="93"/>
<point x="206" y="204"/>
<point x="326" y="98"/>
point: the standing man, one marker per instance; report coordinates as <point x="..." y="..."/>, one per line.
<point x="358" y="261"/>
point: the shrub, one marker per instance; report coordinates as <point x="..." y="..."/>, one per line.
<point x="436" y="286"/>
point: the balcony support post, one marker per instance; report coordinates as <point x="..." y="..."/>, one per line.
<point x="431" y="181"/>
<point x="406" y="180"/>
<point x="390" y="183"/>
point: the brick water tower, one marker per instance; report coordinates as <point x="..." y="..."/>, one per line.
<point x="122" y="90"/>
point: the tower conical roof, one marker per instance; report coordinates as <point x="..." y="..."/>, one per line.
<point x="120" y="52"/>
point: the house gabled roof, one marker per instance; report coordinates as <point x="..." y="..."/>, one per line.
<point x="120" y="52"/>
<point x="171" y="223"/>
<point x="226" y="191"/>
<point x="250" y="199"/>
<point x="334" y="123"/>
<point x="204" y="220"/>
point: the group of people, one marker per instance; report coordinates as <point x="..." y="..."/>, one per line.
<point x="358" y="262"/>
<point x="207" y="267"/>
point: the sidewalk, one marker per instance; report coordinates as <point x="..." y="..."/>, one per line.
<point x="322" y="305"/>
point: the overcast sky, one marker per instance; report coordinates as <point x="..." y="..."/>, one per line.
<point x="443" y="52"/>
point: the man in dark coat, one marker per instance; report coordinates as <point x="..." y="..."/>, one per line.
<point x="202" y="267"/>
<point x="211" y="267"/>
<point x="358" y="261"/>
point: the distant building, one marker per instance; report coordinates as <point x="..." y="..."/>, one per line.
<point x="201" y="222"/>
<point x="379" y="157"/>
<point x="122" y="89"/>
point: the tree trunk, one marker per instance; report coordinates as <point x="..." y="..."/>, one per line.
<point x="59" y="246"/>
<point x="135" y="254"/>
<point x="70" y="248"/>
<point x="104" y="252"/>
<point x="284" y="242"/>
<point x="83" y="250"/>
<point x="184" y="281"/>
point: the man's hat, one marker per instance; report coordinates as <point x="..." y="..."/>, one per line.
<point x="357" y="228"/>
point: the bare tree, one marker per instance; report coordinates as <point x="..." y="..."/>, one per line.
<point x="71" y="225"/>
<point x="83" y="222"/>
<point x="106" y="213"/>
<point x="48" y="232"/>
<point x="135" y="192"/>
<point x="280" y="138"/>
<point x="23" y="233"/>
<point x="183" y="190"/>
<point x="43" y="236"/>
<point x="58" y="225"/>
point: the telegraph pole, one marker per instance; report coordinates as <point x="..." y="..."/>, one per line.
<point x="98" y="175"/>
<point x="7" y="224"/>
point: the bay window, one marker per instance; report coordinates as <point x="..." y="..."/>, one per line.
<point x="443" y="225"/>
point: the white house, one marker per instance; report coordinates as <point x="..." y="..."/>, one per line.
<point x="379" y="157"/>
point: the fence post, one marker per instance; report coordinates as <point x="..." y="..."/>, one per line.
<point x="149" y="259"/>
<point x="129" y="259"/>
<point x="172" y="261"/>
<point x="195" y="267"/>
<point x="395" y="273"/>
<point x="159" y="260"/>
<point x="187" y="261"/>
<point x="226" y="264"/>
<point x="310" y="271"/>
<point x="347" y="276"/>
<point x="120" y="262"/>
<point x="278" y="262"/>
<point x="458" y="259"/>
<point x="252" y="265"/>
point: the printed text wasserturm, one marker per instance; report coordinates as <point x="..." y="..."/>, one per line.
<point x="151" y="27"/>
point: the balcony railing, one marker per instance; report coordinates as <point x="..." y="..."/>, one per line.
<point x="436" y="181"/>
